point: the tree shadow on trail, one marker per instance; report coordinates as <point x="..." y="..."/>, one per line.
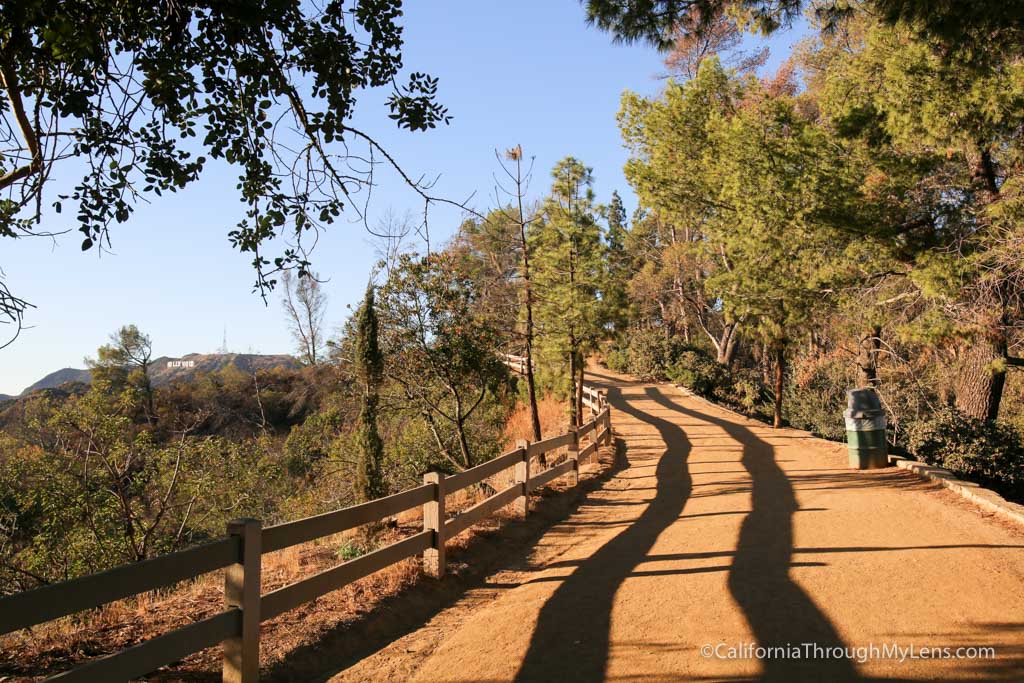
<point x="571" y="639"/>
<point x="779" y="612"/>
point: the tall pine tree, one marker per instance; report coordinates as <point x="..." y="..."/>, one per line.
<point x="614" y="295"/>
<point x="569" y="272"/>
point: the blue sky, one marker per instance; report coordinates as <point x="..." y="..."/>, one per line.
<point x="528" y="72"/>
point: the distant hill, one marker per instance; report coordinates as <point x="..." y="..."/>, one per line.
<point x="5" y="397"/>
<point x="164" y="370"/>
<point x="55" y="379"/>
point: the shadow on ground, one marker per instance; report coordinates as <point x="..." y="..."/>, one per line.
<point x="582" y="604"/>
<point x="505" y="548"/>
<point x="777" y="609"/>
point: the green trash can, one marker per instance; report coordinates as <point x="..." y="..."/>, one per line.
<point x="865" y="430"/>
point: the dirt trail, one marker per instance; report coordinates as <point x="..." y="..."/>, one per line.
<point x="720" y="531"/>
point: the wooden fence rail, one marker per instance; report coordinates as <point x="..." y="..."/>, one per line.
<point x="237" y="627"/>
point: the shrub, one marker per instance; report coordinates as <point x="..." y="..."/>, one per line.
<point x="991" y="454"/>
<point x="618" y="359"/>
<point x="747" y="392"/>
<point x="645" y="353"/>
<point x="650" y="353"/>
<point x="740" y="388"/>
<point x="311" y="441"/>
<point x="817" y="410"/>
<point x="698" y="372"/>
<point x="816" y="397"/>
<point x="349" y="549"/>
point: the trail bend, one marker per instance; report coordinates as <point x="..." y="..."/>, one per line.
<point x="719" y="532"/>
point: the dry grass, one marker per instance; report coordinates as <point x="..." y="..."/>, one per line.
<point x="33" y="654"/>
<point x="553" y="420"/>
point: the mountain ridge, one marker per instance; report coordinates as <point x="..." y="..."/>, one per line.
<point x="167" y="369"/>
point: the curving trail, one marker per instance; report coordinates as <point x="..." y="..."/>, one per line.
<point x="720" y="531"/>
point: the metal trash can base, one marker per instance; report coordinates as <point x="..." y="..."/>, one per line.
<point x="868" y="449"/>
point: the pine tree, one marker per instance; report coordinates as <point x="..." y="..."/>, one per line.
<point x="614" y="296"/>
<point x="783" y="181"/>
<point x="529" y="330"/>
<point x="748" y="195"/>
<point x="497" y="255"/>
<point x="942" y="138"/>
<point x="569" y="272"/>
<point x="672" y="154"/>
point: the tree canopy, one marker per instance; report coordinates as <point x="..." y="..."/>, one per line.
<point x="868" y="192"/>
<point x="136" y="100"/>
<point x="963" y="27"/>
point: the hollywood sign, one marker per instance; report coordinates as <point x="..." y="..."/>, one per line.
<point x="181" y="363"/>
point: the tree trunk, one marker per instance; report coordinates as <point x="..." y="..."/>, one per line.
<point x="531" y="385"/>
<point x="467" y="457"/>
<point x="867" y="359"/>
<point x="580" y="368"/>
<point x="728" y="344"/>
<point x="147" y="389"/>
<point x="443" y="449"/>
<point x="780" y="368"/>
<point x="981" y="377"/>
<point x="572" y="387"/>
<point x="981" y="374"/>
<point x="984" y="170"/>
<point x="531" y="390"/>
<point x="765" y="364"/>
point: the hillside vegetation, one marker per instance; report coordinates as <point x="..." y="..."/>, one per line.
<point x="148" y="458"/>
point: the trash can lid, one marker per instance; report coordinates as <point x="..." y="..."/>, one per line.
<point x="859" y="400"/>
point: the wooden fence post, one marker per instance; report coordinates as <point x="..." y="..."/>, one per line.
<point x="522" y="504"/>
<point x="607" y="425"/>
<point x="574" y="454"/>
<point x="242" y="590"/>
<point x="434" y="561"/>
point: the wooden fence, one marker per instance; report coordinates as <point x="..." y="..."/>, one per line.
<point x="237" y="628"/>
<point x="517" y="363"/>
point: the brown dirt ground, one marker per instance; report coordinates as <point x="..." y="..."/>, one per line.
<point x="715" y="529"/>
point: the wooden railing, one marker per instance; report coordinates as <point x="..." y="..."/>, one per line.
<point x="517" y="363"/>
<point x="237" y="628"/>
<point x="593" y="398"/>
